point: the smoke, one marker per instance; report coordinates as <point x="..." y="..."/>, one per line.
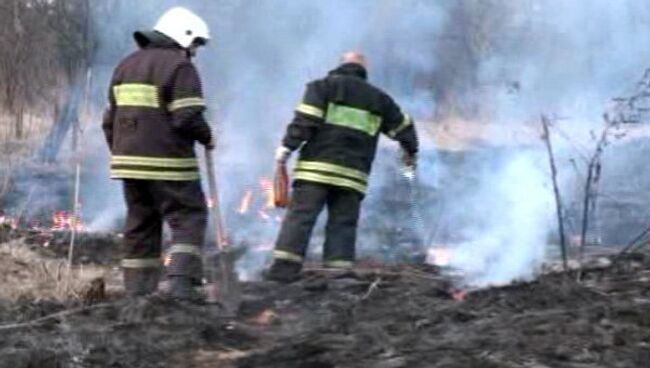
<point x="495" y="64"/>
<point x="515" y="206"/>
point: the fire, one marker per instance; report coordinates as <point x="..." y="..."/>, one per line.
<point x="267" y="317"/>
<point x="65" y="221"/>
<point x="267" y="187"/>
<point x="458" y="295"/>
<point x="209" y="202"/>
<point x="245" y="202"/>
<point x="263" y="215"/>
<point x="260" y="201"/>
<point x="438" y="256"/>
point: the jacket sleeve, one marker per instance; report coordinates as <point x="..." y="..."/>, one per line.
<point x="109" y="118"/>
<point x="399" y="126"/>
<point x="187" y="105"/>
<point x="309" y="115"/>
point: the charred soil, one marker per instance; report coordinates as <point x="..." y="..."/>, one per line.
<point x="375" y="316"/>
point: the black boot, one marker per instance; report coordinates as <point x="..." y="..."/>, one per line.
<point x="184" y="272"/>
<point x="140" y="281"/>
<point x="284" y="271"/>
<point x="182" y="288"/>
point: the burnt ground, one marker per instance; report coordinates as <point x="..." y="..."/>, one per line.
<point x="376" y="316"/>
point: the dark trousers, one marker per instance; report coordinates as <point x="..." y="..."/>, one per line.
<point x="179" y="203"/>
<point x="307" y="201"/>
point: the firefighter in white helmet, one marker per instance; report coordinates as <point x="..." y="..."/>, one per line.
<point x="154" y="118"/>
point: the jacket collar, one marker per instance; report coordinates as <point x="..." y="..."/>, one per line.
<point x="154" y="39"/>
<point x="351" y="69"/>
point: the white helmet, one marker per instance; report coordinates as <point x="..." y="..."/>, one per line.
<point x="183" y="26"/>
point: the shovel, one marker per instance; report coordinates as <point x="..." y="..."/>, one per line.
<point x="223" y="285"/>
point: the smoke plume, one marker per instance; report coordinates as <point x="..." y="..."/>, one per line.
<point x="490" y="67"/>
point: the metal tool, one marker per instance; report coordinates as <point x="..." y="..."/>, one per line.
<point x="223" y="284"/>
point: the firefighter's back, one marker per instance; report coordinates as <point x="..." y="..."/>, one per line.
<point x="354" y="117"/>
<point x="142" y="87"/>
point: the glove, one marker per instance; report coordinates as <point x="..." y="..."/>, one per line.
<point x="409" y="162"/>
<point x="211" y="144"/>
<point x="282" y="155"/>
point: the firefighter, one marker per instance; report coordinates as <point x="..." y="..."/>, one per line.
<point x="336" y="128"/>
<point x="154" y="118"/>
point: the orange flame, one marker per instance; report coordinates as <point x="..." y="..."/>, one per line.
<point x="64" y="221"/>
<point x="459" y="295"/>
<point x="267" y="187"/>
<point x="266" y="317"/>
<point x="245" y="203"/>
<point x="263" y="215"/>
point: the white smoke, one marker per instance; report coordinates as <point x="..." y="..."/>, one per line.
<point x="528" y="57"/>
<point x="518" y="208"/>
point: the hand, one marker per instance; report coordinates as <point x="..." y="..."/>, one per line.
<point x="211" y="144"/>
<point x="282" y="155"/>
<point x="409" y="160"/>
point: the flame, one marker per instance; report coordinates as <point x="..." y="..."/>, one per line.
<point x="65" y="221"/>
<point x="245" y="202"/>
<point x="439" y="256"/>
<point x="266" y="317"/>
<point x="263" y="215"/>
<point x="209" y="202"/>
<point x="267" y="187"/>
<point x="458" y="295"/>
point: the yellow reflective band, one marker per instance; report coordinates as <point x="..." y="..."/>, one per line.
<point x="136" y="94"/>
<point x="310" y="110"/>
<point x="339" y="264"/>
<point x="155" y="175"/>
<point x="186" y="102"/>
<point x="353" y="118"/>
<point x="287" y="256"/>
<point x="337" y="169"/>
<point x="405" y="124"/>
<point x="190" y="162"/>
<point x="185" y="248"/>
<point x="332" y="180"/>
<point x="141" y="262"/>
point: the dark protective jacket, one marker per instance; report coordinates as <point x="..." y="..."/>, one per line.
<point x="155" y="113"/>
<point x="338" y="124"/>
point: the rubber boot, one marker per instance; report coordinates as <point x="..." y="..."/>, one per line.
<point x="140" y="281"/>
<point x="284" y="271"/>
<point x="182" y="288"/>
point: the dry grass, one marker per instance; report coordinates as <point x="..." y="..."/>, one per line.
<point x="25" y="273"/>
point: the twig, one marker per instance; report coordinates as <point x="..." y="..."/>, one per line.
<point x="77" y="179"/>
<point x="360" y="271"/>
<point x="632" y="243"/>
<point x="373" y="287"/>
<point x="556" y="191"/>
<point x="62" y="314"/>
<point x="593" y="174"/>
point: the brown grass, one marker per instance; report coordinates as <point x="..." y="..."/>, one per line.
<point x="26" y="274"/>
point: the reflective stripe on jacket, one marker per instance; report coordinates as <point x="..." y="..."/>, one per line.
<point x="155" y="115"/>
<point x="337" y="126"/>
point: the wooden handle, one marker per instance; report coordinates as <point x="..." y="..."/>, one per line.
<point x="214" y="201"/>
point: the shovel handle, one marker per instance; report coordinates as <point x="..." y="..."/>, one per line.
<point x="214" y="201"/>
